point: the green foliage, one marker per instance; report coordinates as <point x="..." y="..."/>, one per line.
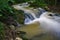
<point x="7" y="10"/>
<point x="2" y="34"/>
<point x="51" y="2"/>
<point x="38" y="3"/>
<point x="21" y="1"/>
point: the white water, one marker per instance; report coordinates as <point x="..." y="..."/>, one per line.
<point x="47" y="23"/>
<point x="35" y="17"/>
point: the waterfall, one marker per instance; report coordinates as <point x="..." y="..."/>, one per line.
<point x="31" y="17"/>
<point x="48" y="21"/>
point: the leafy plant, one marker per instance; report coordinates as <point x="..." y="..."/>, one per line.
<point x="8" y="15"/>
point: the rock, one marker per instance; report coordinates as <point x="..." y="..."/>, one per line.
<point x="17" y="38"/>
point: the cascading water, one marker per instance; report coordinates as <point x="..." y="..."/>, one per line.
<point x="32" y="17"/>
<point x="48" y="21"/>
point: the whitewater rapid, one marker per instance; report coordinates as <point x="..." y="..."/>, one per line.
<point x="49" y="22"/>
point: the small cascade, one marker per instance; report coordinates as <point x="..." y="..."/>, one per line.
<point x="48" y="22"/>
<point x="31" y="17"/>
